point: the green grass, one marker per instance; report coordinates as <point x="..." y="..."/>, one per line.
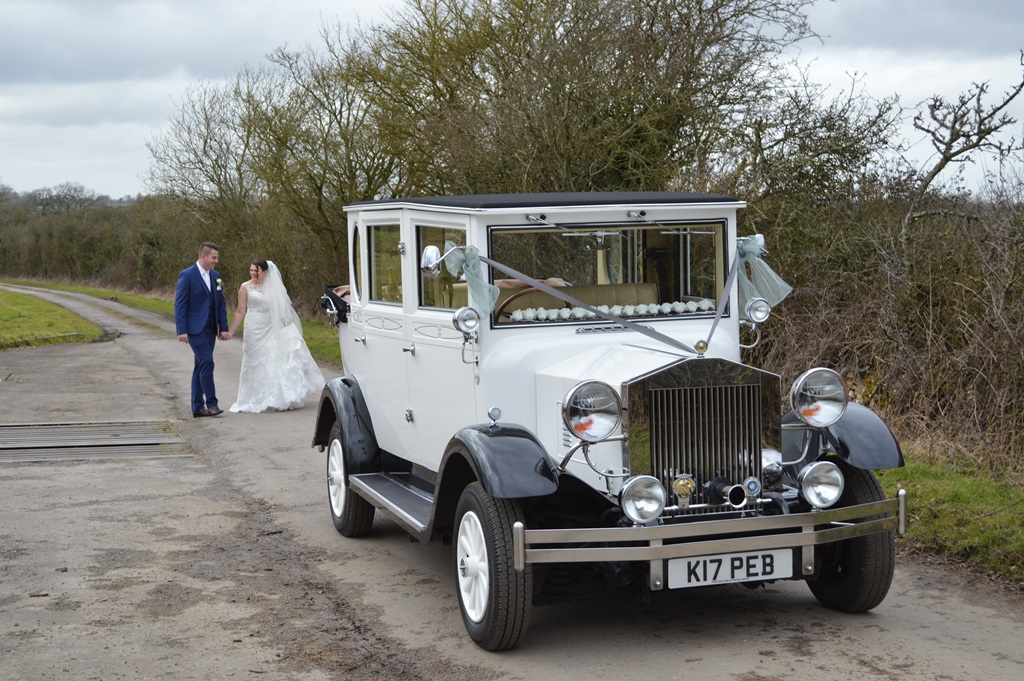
<point x="27" y="321"/>
<point x="164" y="306"/>
<point x="322" y="339"/>
<point x="962" y="515"/>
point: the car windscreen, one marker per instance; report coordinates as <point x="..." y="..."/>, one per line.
<point x="649" y="271"/>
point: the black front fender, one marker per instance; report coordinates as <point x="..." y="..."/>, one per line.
<point x="507" y="460"/>
<point x="860" y="437"/>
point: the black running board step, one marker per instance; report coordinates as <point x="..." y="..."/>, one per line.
<point x="410" y="506"/>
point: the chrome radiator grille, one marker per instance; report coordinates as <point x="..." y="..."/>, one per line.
<point x="707" y="418"/>
<point x="707" y="433"/>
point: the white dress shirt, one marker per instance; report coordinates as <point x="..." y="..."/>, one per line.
<point x="205" y="273"/>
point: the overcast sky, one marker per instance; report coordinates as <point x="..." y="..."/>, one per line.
<point x="84" y="84"/>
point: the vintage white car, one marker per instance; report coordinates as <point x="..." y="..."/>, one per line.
<point x="553" y="383"/>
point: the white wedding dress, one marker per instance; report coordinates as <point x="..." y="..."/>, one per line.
<point x="277" y="370"/>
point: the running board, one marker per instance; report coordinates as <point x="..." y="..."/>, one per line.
<point x="410" y="506"/>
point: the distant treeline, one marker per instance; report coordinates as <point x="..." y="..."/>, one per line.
<point x="904" y="280"/>
<point x="142" y="244"/>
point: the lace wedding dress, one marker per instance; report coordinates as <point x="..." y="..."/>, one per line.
<point x="277" y="370"/>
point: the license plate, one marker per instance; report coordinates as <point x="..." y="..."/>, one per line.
<point x="729" y="568"/>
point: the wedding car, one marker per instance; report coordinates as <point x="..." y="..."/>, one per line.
<point x="553" y="384"/>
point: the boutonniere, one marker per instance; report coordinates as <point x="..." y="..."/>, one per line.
<point x="219" y="283"/>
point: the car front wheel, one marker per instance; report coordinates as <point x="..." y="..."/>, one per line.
<point x="854" y="575"/>
<point x="352" y="515"/>
<point x="495" y="599"/>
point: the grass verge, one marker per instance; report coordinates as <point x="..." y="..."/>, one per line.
<point x="27" y="321"/>
<point x="963" y="515"/>
<point x="322" y="339"/>
<point x="152" y="303"/>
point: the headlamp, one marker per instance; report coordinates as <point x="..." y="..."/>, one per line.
<point x="642" y="499"/>
<point x="818" y="397"/>
<point x="591" y="411"/>
<point x="821" y="483"/>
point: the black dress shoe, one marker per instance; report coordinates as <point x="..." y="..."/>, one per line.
<point x="202" y="412"/>
<point x="214" y="411"/>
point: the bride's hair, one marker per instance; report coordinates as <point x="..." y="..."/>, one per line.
<point x="262" y="264"/>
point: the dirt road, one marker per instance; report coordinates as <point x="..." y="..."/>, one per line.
<point x="212" y="556"/>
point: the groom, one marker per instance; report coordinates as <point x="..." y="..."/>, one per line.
<point x="200" y="315"/>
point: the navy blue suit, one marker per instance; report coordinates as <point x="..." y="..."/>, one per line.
<point x="201" y="312"/>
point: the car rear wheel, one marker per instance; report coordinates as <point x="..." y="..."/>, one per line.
<point x="854" y="575"/>
<point x="495" y="599"/>
<point x="352" y="515"/>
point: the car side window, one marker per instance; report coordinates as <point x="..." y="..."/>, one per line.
<point x="444" y="291"/>
<point x="356" y="258"/>
<point x="385" y="264"/>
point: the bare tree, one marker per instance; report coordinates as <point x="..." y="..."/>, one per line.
<point x="800" y="146"/>
<point x="63" y="198"/>
<point x="512" y="95"/>
<point x="204" y="160"/>
<point x="318" y="150"/>
<point x="957" y="131"/>
<point x="7" y="193"/>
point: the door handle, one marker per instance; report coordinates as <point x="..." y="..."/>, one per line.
<point x="410" y="348"/>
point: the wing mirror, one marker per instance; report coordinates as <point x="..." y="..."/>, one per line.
<point x="430" y="262"/>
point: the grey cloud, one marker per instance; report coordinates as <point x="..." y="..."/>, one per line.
<point x="982" y="27"/>
<point x="87" y="104"/>
<point x="70" y="42"/>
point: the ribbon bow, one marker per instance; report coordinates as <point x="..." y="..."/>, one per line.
<point x="466" y="261"/>
<point x="761" y="281"/>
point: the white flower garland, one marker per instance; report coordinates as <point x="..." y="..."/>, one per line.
<point x="541" y="314"/>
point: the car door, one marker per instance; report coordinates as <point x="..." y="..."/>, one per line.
<point x="377" y="331"/>
<point x="441" y="370"/>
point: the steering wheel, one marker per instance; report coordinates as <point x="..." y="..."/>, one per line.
<point x="514" y="296"/>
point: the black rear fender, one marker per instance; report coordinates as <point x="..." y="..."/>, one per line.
<point x="342" y="401"/>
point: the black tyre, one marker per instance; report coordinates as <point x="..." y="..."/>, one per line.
<point x="854" y="575"/>
<point x="352" y="514"/>
<point x="495" y="600"/>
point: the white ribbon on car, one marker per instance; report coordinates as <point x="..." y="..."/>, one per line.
<point x="466" y="261"/>
<point x="761" y="282"/>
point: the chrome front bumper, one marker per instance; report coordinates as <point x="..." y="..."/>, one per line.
<point x="798" y="530"/>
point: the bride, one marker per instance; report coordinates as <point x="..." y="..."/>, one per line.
<point x="277" y="370"/>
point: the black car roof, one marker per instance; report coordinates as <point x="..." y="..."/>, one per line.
<point x="482" y="201"/>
